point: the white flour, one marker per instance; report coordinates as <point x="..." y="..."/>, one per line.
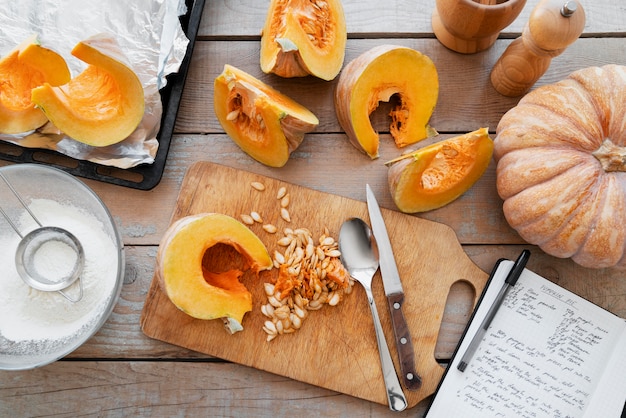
<point x="32" y="318"/>
<point x="54" y="260"/>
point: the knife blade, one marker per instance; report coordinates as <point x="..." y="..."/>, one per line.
<point x="394" y="293"/>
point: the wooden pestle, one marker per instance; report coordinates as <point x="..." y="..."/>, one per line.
<point x="553" y="25"/>
<point x="470" y="26"/>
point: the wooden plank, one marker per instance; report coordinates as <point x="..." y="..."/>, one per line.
<point x="169" y="389"/>
<point x="366" y="18"/>
<point x="329" y="157"/>
<point x="478" y="106"/>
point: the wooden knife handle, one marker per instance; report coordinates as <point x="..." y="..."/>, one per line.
<point x="404" y="344"/>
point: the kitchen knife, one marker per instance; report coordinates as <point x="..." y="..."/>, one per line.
<point x="394" y="293"/>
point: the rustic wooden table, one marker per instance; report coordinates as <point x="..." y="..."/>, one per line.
<point x="121" y="372"/>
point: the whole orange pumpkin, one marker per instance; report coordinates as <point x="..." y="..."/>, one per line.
<point x="561" y="155"/>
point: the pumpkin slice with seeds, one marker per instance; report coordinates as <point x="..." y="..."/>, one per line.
<point x="302" y="37"/>
<point x="265" y="123"/>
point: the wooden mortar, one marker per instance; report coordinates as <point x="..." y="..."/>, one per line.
<point x="469" y="26"/>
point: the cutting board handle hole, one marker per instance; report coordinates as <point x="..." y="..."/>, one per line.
<point x="458" y="308"/>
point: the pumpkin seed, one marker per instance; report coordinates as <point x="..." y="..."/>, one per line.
<point x="309" y="286"/>
<point x="269" y="228"/>
<point x="279" y="327"/>
<point x="284" y="213"/>
<point x="284" y="241"/>
<point x="296" y="321"/>
<point x="334" y="253"/>
<point x="247" y="219"/>
<point x="258" y="186"/>
<point x="282" y="312"/>
<point x="257" y="218"/>
<point x="232" y="115"/>
<point x="333" y="299"/>
<point x="281" y="193"/>
<point x="274" y="302"/>
<point x="328" y="241"/>
<point x="314" y="305"/>
<point x="299" y="311"/>
<point x="267" y="310"/>
<point x="279" y="257"/>
<point x="270" y="326"/>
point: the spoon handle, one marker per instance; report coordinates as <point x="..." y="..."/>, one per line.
<point x="395" y="396"/>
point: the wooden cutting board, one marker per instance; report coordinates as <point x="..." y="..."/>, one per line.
<point x="336" y="346"/>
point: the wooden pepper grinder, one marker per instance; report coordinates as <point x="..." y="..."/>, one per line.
<point x="553" y="25"/>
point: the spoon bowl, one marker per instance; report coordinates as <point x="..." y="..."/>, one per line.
<point x="359" y="255"/>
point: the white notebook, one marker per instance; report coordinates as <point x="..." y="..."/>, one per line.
<point x="547" y="353"/>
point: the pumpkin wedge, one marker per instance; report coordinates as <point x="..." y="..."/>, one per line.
<point x="376" y="76"/>
<point x="101" y="106"/>
<point x="302" y="37"/>
<point x="194" y="288"/>
<point x="263" y="122"/>
<point x="28" y="66"/>
<point x="437" y="174"/>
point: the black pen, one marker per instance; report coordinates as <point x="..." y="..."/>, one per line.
<point x="510" y="280"/>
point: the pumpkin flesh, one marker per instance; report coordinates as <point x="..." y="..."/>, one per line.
<point x="437" y="174"/>
<point x="101" y="106"/>
<point x="263" y="122"/>
<point x="193" y="287"/>
<point x="28" y="66"/>
<point x="376" y="76"/>
<point x="560" y="171"/>
<point x="302" y="37"/>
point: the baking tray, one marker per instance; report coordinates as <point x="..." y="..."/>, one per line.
<point x="143" y="176"/>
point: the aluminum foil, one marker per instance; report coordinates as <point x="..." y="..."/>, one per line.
<point x="149" y="34"/>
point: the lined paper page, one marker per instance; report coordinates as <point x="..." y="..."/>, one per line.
<point x="544" y="355"/>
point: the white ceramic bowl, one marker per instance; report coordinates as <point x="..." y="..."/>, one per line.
<point x="37" y="327"/>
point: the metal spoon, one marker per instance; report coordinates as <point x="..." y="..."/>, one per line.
<point x="359" y="255"/>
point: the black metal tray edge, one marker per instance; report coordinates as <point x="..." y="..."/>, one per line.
<point x="150" y="174"/>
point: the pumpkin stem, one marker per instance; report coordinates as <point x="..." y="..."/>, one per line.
<point x="612" y="157"/>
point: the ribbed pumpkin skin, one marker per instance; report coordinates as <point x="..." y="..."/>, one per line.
<point x="561" y="167"/>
